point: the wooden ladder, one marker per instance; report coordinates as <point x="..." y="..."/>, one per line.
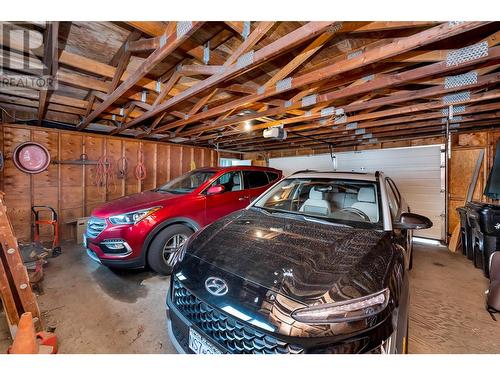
<point x="15" y="290"/>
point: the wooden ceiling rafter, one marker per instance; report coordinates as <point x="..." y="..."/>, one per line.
<point x="172" y="41"/>
<point x="388" y="81"/>
<point x="385" y="76"/>
<point x="429" y="36"/>
<point x="269" y="51"/>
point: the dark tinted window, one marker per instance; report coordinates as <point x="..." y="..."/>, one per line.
<point x="272" y="176"/>
<point x="255" y="179"/>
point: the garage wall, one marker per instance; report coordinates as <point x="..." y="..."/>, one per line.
<point x="416" y="170"/>
<point x="70" y="188"/>
<point x="464" y="153"/>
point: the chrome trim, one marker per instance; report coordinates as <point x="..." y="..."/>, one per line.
<point x="386" y="212"/>
<point x="93" y="256"/>
<point x="117" y="240"/>
<point x="95" y="226"/>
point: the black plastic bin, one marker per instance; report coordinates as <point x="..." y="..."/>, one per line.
<point x="484" y="222"/>
<point x="465" y="232"/>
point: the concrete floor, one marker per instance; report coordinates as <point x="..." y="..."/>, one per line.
<point x="96" y="310"/>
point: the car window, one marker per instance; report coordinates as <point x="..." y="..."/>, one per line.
<point x="230" y="180"/>
<point x="187" y="182"/>
<point x="393" y="199"/>
<point x="255" y="179"/>
<point x="352" y="202"/>
<point x="272" y="176"/>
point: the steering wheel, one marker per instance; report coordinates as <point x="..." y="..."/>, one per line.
<point x="357" y="212"/>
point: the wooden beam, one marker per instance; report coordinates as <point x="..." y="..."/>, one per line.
<point x="50" y="59"/>
<point x="236" y="26"/>
<point x="197" y="69"/>
<point x="403" y="45"/>
<point x="302" y="57"/>
<point x="367" y="87"/>
<point x="171" y="43"/>
<point x="260" y="30"/>
<point x="120" y="69"/>
<point x="283" y="44"/>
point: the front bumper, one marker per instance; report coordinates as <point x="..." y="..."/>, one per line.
<point x="118" y="246"/>
<point x="178" y="327"/>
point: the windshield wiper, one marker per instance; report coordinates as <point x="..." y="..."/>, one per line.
<point x="323" y="221"/>
<point x="298" y="215"/>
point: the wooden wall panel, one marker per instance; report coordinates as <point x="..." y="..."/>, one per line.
<point x="197" y="158"/>
<point x="163" y="164"/>
<point x="149" y="150"/>
<point x="465" y="150"/>
<point x="45" y="185"/>
<point x="131" y="183"/>
<point x="175" y="161"/>
<point x="70" y="188"/>
<point x="19" y="184"/>
<point x="94" y="195"/>
<point x="187" y="157"/>
<point x="72" y="193"/>
<point x="115" y="150"/>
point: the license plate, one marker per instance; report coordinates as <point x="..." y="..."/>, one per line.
<point x="84" y="241"/>
<point x="199" y="345"/>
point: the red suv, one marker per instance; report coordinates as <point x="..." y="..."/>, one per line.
<point x="147" y="228"/>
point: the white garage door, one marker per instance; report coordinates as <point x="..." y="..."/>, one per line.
<point x="416" y="170"/>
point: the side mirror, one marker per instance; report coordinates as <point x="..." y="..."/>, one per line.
<point x="216" y="189"/>
<point x="413" y="221"/>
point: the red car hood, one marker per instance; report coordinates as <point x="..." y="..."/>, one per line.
<point x="134" y="202"/>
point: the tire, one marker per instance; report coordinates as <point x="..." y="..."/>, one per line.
<point x="165" y="243"/>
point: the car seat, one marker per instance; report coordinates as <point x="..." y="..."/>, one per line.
<point x="316" y="204"/>
<point x="366" y="203"/>
<point x="236" y="182"/>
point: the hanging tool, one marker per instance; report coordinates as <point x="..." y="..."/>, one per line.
<point x="104" y="174"/>
<point x="56" y="249"/>
<point x="140" y="168"/>
<point x="122" y="166"/>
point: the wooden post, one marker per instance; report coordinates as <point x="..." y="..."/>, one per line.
<point x="14" y="276"/>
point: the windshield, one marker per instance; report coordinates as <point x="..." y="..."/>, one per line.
<point x="352" y="202"/>
<point x="187" y="182"/>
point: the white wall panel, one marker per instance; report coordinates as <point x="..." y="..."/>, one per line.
<point x="416" y="171"/>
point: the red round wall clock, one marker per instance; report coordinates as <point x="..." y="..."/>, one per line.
<point x="31" y="157"/>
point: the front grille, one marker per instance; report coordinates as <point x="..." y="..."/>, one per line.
<point x="235" y="336"/>
<point x="95" y="226"/>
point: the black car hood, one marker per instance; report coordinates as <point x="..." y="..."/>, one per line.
<point x="303" y="260"/>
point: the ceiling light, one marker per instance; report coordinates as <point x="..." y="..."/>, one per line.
<point x="248" y="126"/>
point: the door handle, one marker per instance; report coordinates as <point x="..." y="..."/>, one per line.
<point x="243" y="198"/>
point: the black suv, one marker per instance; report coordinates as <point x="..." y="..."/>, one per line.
<point x="317" y="264"/>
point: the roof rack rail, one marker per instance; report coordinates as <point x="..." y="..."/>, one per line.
<point x="315" y="171"/>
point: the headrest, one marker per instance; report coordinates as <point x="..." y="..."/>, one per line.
<point x="366" y="194"/>
<point x="315" y="194"/>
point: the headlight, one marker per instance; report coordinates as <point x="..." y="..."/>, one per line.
<point x="344" y="311"/>
<point x="132" y="217"/>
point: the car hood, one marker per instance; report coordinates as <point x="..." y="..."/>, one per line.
<point x="134" y="202"/>
<point x="302" y="260"/>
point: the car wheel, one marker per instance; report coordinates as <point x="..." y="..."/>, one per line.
<point x="164" y="246"/>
